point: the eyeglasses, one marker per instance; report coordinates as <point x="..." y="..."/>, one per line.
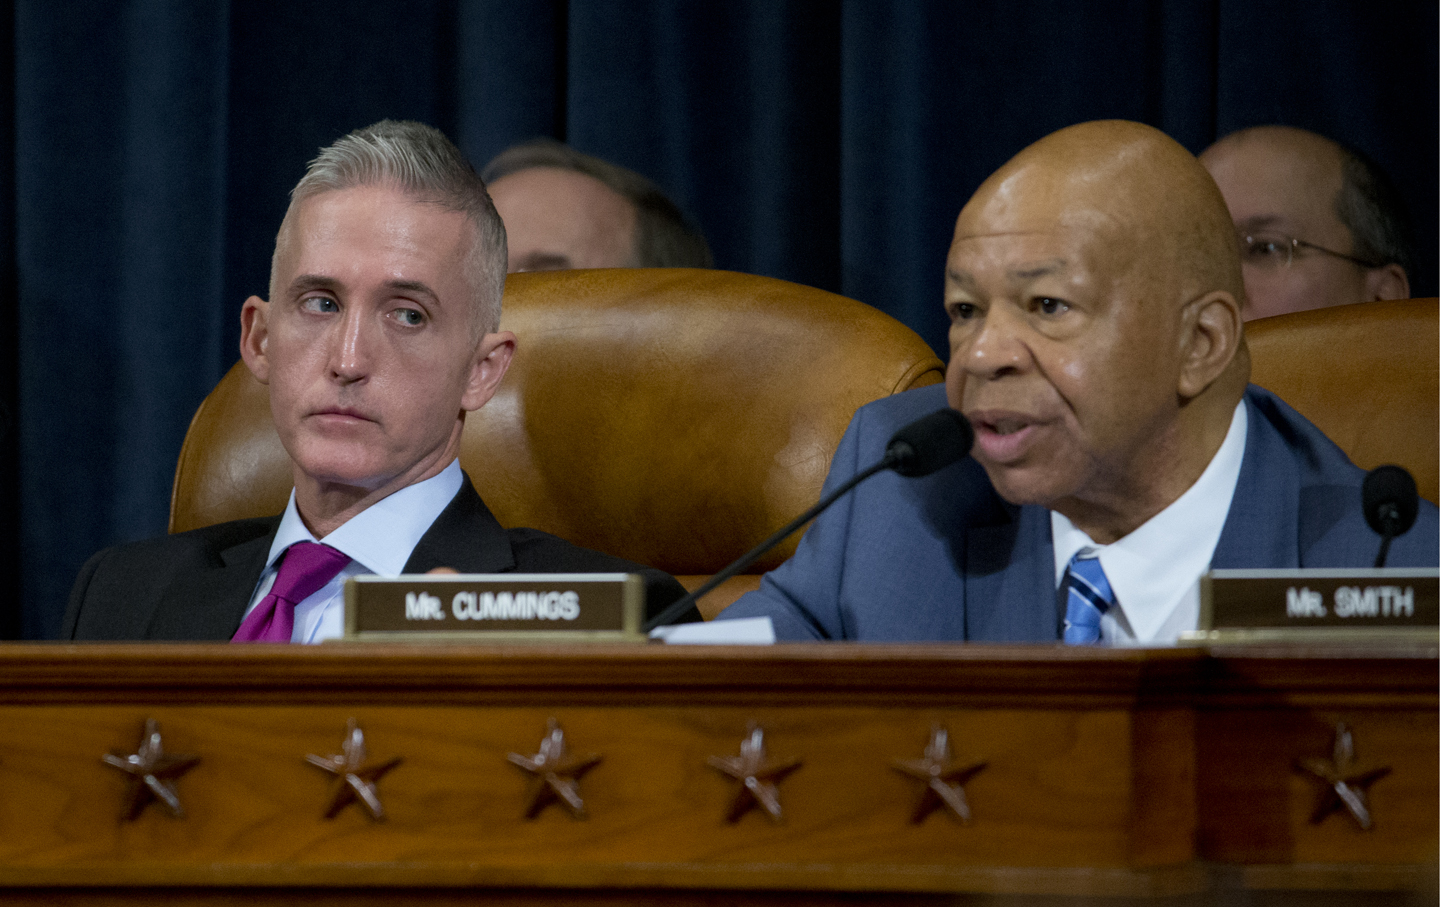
<point x="1274" y="251"/>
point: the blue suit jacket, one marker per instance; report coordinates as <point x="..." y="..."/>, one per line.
<point x="945" y="558"/>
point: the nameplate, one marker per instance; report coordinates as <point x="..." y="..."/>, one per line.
<point x="534" y="607"/>
<point x="1262" y="605"/>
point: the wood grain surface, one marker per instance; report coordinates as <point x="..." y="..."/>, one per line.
<point x="1127" y="773"/>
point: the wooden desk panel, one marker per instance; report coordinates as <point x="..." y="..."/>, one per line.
<point x="1125" y="773"/>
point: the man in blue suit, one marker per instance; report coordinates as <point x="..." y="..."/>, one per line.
<point x="1094" y="291"/>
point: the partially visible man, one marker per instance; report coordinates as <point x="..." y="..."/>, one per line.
<point x="380" y="333"/>
<point x="1320" y="224"/>
<point x="563" y="209"/>
<point x="1096" y="344"/>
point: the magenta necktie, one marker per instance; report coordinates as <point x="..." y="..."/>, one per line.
<point x="305" y="567"/>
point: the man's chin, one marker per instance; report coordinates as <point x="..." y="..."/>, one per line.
<point x="338" y="474"/>
<point x="1024" y="485"/>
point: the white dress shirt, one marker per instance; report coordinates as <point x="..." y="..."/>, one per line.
<point x="1155" y="570"/>
<point x="378" y="540"/>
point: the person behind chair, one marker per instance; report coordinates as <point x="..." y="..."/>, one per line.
<point x="379" y="334"/>
<point x="1096" y="344"/>
<point x="564" y="209"/>
<point x="1320" y="224"/>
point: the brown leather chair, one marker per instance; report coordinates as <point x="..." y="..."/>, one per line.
<point x="1367" y="374"/>
<point x="674" y="417"/>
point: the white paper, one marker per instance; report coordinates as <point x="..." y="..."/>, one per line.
<point x="745" y="631"/>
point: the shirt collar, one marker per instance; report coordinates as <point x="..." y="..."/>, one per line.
<point x="381" y="537"/>
<point x="1154" y="566"/>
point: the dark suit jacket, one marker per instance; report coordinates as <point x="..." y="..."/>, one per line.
<point x="945" y="558"/>
<point x="196" y="585"/>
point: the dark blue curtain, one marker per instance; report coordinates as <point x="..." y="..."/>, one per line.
<point x="150" y="145"/>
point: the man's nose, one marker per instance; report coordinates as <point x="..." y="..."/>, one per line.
<point x="996" y="347"/>
<point x="349" y="350"/>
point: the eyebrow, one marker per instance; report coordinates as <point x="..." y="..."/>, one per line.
<point x="305" y="282"/>
<point x="963" y="279"/>
<point x="543" y="261"/>
<point x="1259" y="221"/>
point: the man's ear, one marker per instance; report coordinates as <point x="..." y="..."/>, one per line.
<point x="255" y="336"/>
<point x="487" y="367"/>
<point x="1211" y="331"/>
<point x="1386" y="282"/>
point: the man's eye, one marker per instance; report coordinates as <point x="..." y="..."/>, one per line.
<point x="319" y="304"/>
<point x="1264" y="248"/>
<point x="1051" y="306"/>
<point x="962" y="311"/>
<point x="410" y="317"/>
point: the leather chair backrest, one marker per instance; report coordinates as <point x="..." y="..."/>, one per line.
<point x="1368" y="375"/>
<point x="675" y="417"/>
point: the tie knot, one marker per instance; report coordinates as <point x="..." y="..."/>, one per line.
<point x="305" y="568"/>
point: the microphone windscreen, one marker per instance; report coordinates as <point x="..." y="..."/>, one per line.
<point x="1386" y="487"/>
<point x="930" y="443"/>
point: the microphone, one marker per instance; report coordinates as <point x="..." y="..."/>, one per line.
<point x="1390" y="502"/>
<point x="920" y="448"/>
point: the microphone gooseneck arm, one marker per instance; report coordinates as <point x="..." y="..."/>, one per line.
<point x="681" y="605"/>
<point x="1390" y="519"/>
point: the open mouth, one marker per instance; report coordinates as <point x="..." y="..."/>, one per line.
<point x="1002" y="437"/>
<point x="1006" y="426"/>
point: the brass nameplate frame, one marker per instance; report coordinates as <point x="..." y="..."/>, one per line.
<point x="1341" y="604"/>
<point x="528" y="607"/>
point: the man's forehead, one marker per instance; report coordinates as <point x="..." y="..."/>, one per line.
<point x="962" y="272"/>
<point x="1270" y="185"/>
<point x="373" y="216"/>
<point x="1025" y="250"/>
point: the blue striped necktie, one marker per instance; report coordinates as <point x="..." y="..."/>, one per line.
<point x="1087" y="598"/>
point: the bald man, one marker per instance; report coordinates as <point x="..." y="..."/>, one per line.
<point x="1097" y="346"/>
<point x="1320" y="224"/>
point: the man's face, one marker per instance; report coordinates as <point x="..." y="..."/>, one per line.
<point x="1063" y="353"/>
<point x="558" y="219"/>
<point x="1287" y="185"/>
<point x="368" y="344"/>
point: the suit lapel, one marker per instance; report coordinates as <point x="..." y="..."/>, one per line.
<point x="209" y="603"/>
<point x="1010" y="579"/>
<point x="466" y="536"/>
<point x="1260" y="530"/>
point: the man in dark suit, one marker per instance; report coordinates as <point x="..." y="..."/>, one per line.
<point x="1097" y="346"/>
<point x="380" y="333"/>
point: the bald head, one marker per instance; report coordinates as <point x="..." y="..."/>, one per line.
<point x="1284" y="184"/>
<point x="1094" y="292"/>
<point x="1129" y="182"/>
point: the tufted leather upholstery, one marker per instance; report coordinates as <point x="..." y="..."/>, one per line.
<point x="1367" y="374"/>
<point x="674" y="417"/>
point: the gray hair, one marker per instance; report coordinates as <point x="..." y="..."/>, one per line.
<point x="1371" y="208"/>
<point x="664" y="238"/>
<point x="421" y="162"/>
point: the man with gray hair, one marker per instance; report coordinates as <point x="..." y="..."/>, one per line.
<point x="1319" y="224"/>
<point x="564" y="209"/>
<point x="381" y="332"/>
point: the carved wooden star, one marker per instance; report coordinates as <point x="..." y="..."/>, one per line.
<point x="153" y="773"/>
<point x="758" y="776"/>
<point x="944" y="779"/>
<point x="355" y="775"/>
<point x="555" y="773"/>
<point x="1344" y="787"/>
